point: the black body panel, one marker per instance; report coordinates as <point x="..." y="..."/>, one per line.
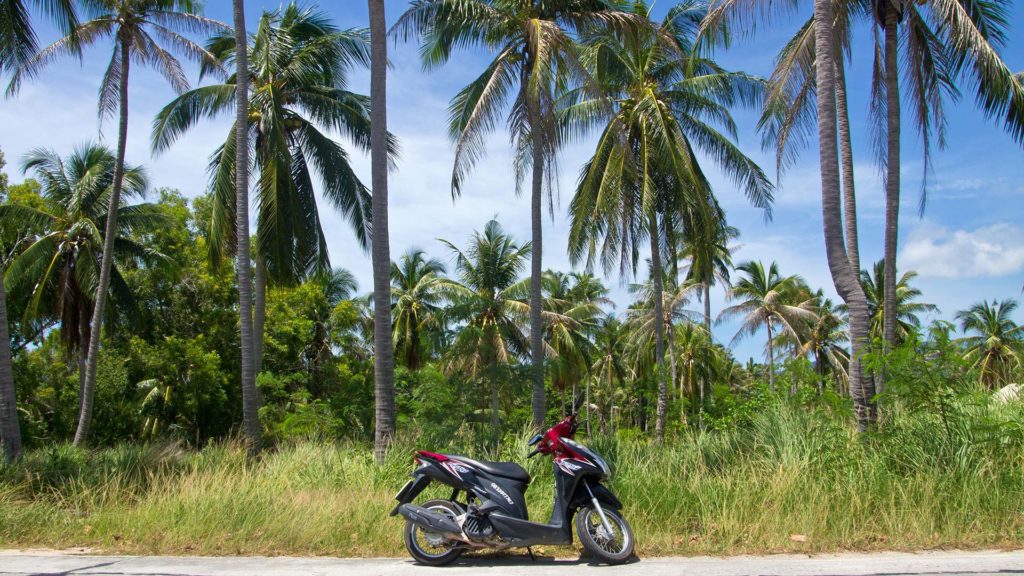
<point x="504" y="469"/>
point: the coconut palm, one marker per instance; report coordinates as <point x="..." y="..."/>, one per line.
<point x="994" y="342"/>
<point x="240" y="182"/>
<point x="710" y="257"/>
<point x="535" y="55"/>
<point x="693" y="348"/>
<point x="490" y="336"/>
<point x="17" y="37"/>
<point x="134" y="26"/>
<point x="766" y="298"/>
<point x="384" y="358"/>
<point x="416" y="289"/>
<point x="58" y="267"/>
<point x="10" y="433"/>
<point x="944" y="42"/>
<point x="298" y="70"/>
<point x="668" y="101"/>
<point x="333" y="288"/>
<point x="908" y="309"/>
<point x="823" y="340"/>
<point x="608" y="369"/>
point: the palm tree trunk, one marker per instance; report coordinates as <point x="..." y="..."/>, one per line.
<point x="83" y="351"/>
<point x="495" y="407"/>
<point x="10" y="432"/>
<point x="107" y="259"/>
<point x="843" y="276"/>
<point x="707" y="356"/>
<point x="536" y="266"/>
<point x="892" y="178"/>
<point x="846" y="157"/>
<point x="771" y="358"/>
<point x="384" y="353"/>
<point x="659" y="331"/>
<point x="707" y="308"/>
<point x="674" y="373"/>
<point x="243" y="263"/>
<point x="259" y="318"/>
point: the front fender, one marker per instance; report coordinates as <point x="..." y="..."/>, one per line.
<point x="603" y="494"/>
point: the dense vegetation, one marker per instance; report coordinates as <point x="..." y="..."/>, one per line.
<point x="147" y="322"/>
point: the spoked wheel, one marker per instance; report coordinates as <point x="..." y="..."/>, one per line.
<point x="613" y="547"/>
<point x="428" y="547"/>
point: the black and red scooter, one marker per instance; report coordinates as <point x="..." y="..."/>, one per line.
<point x="493" y="514"/>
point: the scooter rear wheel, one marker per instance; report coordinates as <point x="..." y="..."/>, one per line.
<point x="614" y="548"/>
<point x="431" y="548"/>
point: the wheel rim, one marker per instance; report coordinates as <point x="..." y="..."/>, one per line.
<point x="432" y="544"/>
<point x="616" y="543"/>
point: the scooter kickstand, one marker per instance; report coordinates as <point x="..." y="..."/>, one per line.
<point x="530" y="551"/>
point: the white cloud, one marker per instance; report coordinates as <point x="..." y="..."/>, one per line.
<point x="993" y="250"/>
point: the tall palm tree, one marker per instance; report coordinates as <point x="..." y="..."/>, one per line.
<point x="10" y="432"/>
<point x="58" y="267"/>
<point x="944" y="42"/>
<point x="491" y="336"/>
<point x="535" y="55"/>
<point x="298" y="71"/>
<point x="710" y="259"/>
<point x="908" y="309"/>
<point x="996" y="346"/>
<point x="693" y="349"/>
<point x="18" y="40"/>
<point x="668" y="100"/>
<point x="250" y="395"/>
<point x="779" y="303"/>
<point x="384" y="359"/>
<point x="416" y="288"/>
<point x="844" y="276"/>
<point x="132" y="24"/>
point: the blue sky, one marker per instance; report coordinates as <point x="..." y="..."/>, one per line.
<point x="969" y="245"/>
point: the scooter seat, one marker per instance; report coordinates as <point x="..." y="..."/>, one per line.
<point x="509" y="470"/>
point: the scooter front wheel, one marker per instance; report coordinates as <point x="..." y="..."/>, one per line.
<point x="613" y="547"/>
<point x="431" y="548"/>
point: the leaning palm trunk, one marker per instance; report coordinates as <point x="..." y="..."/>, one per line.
<point x="659" y="333"/>
<point x="384" y="354"/>
<point x="10" y="433"/>
<point x="107" y="259"/>
<point x="892" y="179"/>
<point x="843" y="276"/>
<point x="250" y="399"/>
<point x="536" y="267"/>
<point x="846" y="157"/>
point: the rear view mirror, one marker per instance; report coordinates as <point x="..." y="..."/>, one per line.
<point x="536" y="438"/>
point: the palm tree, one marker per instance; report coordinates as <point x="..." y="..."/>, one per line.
<point x="384" y="358"/>
<point x="491" y="336"/>
<point x="693" y="349"/>
<point x="995" y="348"/>
<point x="908" y="309"/>
<point x="710" y="259"/>
<point x="57" y="268"/>
<point x="333" y="288"/>
<point x="607" y="368"/>
<point x="668" y="98"/>
<point x="132" y="24"/>
<point x="943" y="41"/>
<point x="822" y="340"/>
<point x="534" y="56"/>
<point x="298" y="71"/>
<point x="416" y="289"/>
<point x="10" y="432"/>
<point x="17" y="37"/>
<point x="767" y="298"/>
<point x="844" y="275"/>
<point x="250" y="395"/>
<point x="572" y="304"/>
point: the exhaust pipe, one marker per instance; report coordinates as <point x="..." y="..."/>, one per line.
<point x="431" y="520"/>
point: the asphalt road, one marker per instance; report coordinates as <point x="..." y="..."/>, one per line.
<point x="993" y="563"/>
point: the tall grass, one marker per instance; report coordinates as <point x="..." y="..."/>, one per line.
<point x="791" y="480"/>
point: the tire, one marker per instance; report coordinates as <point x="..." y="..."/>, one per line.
<point x="444" y="551"/>
<point x="592" y="534"/>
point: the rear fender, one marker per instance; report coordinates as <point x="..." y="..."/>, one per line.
<point x="421" y="478"/>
